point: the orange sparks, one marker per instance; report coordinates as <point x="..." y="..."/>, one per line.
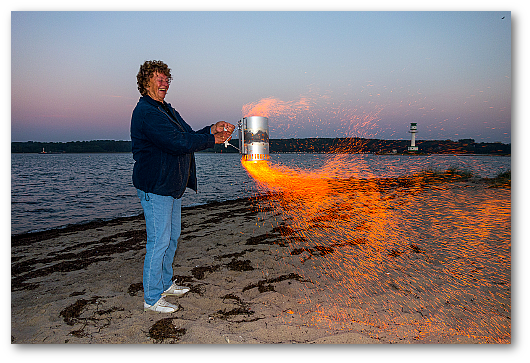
<point x="268" y="107"/>
<point x="426" y="254"/>
<point x="317" y="113"/>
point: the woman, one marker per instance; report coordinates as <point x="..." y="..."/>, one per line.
<point x="163" y="145"/>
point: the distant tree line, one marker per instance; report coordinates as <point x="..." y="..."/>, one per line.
<point x="310" y="145"/>
<point x="377" y="146"/>
<point x="94" y="146"/>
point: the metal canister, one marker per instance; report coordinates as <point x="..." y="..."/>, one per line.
<point x="254" y="138"/>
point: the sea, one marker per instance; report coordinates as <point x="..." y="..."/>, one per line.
<point x="57" y="190"/>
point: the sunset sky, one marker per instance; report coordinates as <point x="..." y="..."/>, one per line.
<point x="326" y="74"/>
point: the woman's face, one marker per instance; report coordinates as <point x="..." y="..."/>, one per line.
<point x="158" y="86"/>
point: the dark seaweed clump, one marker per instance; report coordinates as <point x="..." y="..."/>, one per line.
<point x="135" y="288"/>
<point x="71" y="313"/>
<point x="240" y="265"/>
<point x="265" y="285"/>
<point x="165" y="329"/>
<point x="241" y="309"/>
<point x="200" y="272"/>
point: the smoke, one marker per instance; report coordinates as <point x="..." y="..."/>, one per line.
<point x="317" y="116"/>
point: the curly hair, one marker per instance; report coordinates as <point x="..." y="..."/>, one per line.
<point x="147" y="70"/>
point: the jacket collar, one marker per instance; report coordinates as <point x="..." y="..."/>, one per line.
<point x="153" y="102"/>
<point x="171" y="110"/>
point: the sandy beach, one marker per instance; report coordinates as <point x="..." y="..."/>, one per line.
<point x="258" y="277"/>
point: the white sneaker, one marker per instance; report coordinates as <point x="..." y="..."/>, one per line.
<point x="175" y="290"/>
<point x="161" y="306"/>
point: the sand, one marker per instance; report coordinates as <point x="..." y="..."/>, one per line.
<point x="255" y="278"/>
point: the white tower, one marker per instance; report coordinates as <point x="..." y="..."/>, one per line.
<point x="413" y="130"/>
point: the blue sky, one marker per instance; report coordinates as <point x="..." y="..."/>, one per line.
<point x="365" y="74"/>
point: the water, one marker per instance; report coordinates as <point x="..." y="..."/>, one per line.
<point x="377" y="166"/>
<point x="55" y="190"/>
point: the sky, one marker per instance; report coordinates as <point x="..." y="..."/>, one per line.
<point x="325" y="73"/>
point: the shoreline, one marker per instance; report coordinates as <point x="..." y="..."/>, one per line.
<point x="426" y="177"/>
<point x="35" y="235"/>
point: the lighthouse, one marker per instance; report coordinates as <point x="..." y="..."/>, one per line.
<point x="413" y="130"/>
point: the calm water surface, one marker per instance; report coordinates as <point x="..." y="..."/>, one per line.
<point x="55" y="190"/>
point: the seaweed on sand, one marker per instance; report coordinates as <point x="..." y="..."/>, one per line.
<point x="262" y="287"/>
<point x="135" y="288"/>
<point x="200" y="272"/>
<point x="72" y="312"/>
<point x="165" y="329"/>
<point x="240" y="265"/>
<point x="241" y="309"/>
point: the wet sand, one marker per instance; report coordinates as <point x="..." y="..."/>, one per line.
<point x="255" y="278"/>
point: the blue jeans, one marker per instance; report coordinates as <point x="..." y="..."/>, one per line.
<point x="163" y="225"/>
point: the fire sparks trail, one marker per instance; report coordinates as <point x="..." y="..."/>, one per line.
<point x="431" y="258"/>
<point x="404" y="255"/>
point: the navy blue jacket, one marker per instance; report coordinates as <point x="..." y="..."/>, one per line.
<point x="163" y="149"/>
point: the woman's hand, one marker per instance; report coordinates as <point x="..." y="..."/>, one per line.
<point x="221" y="137"/>
<point x="222" y="131"/>
<point x="222" y="126"/>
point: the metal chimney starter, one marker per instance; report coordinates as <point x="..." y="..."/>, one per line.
<point x="254" y="138"/>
